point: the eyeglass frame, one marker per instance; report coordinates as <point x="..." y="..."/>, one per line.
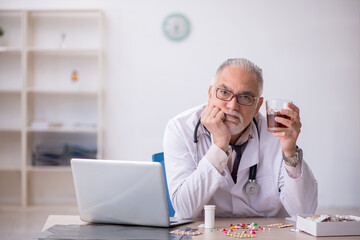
<point x="235" y="95"/>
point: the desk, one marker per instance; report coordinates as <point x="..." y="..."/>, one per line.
<point x="208" y="234"/>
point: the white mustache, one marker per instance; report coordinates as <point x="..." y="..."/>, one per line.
<point x="234" y="113"/>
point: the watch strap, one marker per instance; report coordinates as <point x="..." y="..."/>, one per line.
<point x="295" y="159"/>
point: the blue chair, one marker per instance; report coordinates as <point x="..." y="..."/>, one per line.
<point x="159" y="157"/>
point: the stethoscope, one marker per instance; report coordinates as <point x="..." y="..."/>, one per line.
<point x="251" y="186"/>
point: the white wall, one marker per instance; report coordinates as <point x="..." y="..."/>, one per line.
<point x="308" y="50"/>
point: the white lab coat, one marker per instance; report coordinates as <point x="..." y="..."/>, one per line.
<point x="194" y="183"/>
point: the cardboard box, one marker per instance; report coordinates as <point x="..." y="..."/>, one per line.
<point x="327" y="228"/>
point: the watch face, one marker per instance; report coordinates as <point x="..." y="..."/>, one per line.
<point x="176" y="27"/>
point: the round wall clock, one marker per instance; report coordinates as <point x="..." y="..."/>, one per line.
<point x="176" y="27"/>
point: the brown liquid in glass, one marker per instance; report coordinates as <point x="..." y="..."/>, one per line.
<point x="274" y="126"/>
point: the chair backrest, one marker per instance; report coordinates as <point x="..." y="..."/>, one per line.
<point x="159" y="157"/>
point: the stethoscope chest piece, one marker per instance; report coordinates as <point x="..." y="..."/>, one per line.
<point x="251" y="187"/>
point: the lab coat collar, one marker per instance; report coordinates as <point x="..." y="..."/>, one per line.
<point x="246" y="135"/>
<point x="251" y="153"/>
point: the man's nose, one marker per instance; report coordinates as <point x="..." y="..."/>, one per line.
<point x="233" y="104"/>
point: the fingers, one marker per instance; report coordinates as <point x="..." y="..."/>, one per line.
<point x="213" y="119"/>
<point x="220" y="116"/>
<point x="212" y="113"/>
<point x="288" y="138"/>
<point x="279" y="134"/>
<point x="293" y="113"/>
<point x="215" y="112"/>
<point x="294" y="107"/>
<point x="291" y="123"/>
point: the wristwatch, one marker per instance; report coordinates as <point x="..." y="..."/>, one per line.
<point x="295" y="159"/>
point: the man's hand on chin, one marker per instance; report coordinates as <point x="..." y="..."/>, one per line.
<point x="214" y="121"/>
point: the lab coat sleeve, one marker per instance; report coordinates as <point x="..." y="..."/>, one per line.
<point x="298" y="195"/>
<point x="190" y="186"/>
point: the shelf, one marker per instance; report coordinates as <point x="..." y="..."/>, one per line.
<point x="10" y="50"/>
<point x="62" y="91"/>
<point x="10" y="168"/>
<point x="66" y="12"/>
<point x="63" y="111"/>
<point x="43" y="66"/>
<point x="55" y="29"/>
<point x="43" y="53"/>
<point x="64" y="51"/>
<point x="49" y="169"/>
<point x="10" y="129"/>
<point x="10" y="91"/>
<point x="63" y="130"/>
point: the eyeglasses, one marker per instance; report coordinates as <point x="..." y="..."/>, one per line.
<point x="242" y="99"/>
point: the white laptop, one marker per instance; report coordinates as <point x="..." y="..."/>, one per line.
<point x="122" y="192"/>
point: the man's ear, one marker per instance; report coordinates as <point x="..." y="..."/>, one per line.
<point x="210" y="92"/>
<point x="261" y="100"/>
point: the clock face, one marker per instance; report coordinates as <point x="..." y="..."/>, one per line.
<point x="176" y="27"/>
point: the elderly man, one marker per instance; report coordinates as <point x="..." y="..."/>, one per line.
<point x="222" y="154"/>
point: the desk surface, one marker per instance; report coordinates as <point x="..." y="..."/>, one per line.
<point x="220" y="223"/>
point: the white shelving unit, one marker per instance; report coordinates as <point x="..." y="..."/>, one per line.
<point x="40" y="103"/>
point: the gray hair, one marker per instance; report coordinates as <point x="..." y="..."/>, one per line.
<point x="245" y="64"/>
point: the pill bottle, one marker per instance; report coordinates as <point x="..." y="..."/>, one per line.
<point x="209" y="216"/>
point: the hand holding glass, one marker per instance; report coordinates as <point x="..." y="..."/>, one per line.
<point x="273" y="108"/>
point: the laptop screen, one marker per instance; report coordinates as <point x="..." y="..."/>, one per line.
<point x="120" y="192"/>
